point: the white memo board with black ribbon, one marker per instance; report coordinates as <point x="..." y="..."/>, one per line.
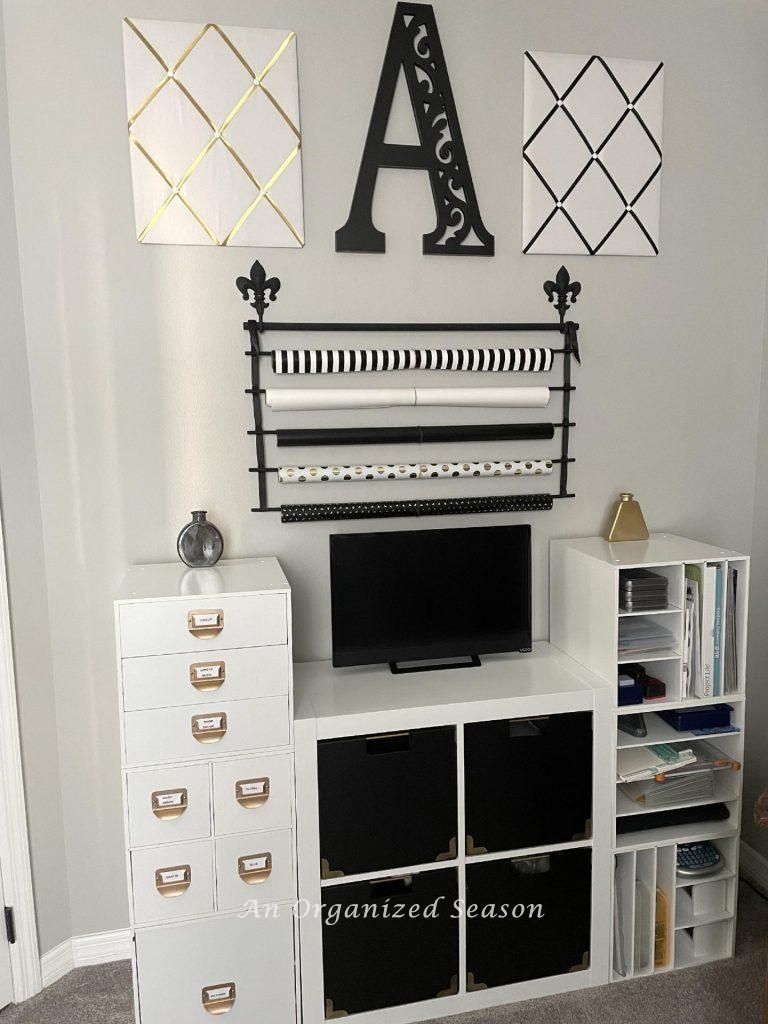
<point x="592" y="155"/>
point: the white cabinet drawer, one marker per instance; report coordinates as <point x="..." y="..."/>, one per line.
<point x="169" y="805"/>
<point x="171" y="679"/>
<point x="202" y="624"/>
<point x="205" y="730"/>
<point x="181" y="966"/>
<point x="171" y="882"/>
<point x="257" y="866"/>
<point x="252" y="793"/>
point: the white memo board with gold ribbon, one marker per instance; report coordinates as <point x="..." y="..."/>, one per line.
<point x="214" y="132"/>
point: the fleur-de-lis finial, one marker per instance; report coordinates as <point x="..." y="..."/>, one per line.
<point x="261" y="286"/>
<point x="562" y="286"/>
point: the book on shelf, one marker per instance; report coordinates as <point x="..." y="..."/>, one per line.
<point x="708" y="631"/>
<point x="636" y="764"/>
<point x="730" y="661"/>
<point x="717" y="633"/>
<point x="692" y="641"/>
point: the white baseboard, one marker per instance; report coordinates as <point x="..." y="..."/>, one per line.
<point x="57" y="962"/>
<point x="85" y="951"/>
<point x="753" y="866"/>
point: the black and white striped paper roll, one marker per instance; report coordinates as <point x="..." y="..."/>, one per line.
<point x="412" y="471"/>
<point x="490" y="360"/>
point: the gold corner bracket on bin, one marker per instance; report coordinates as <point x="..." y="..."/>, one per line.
<point x="173" y="882"/>
<point x="251" y="793"/>
<point x="452" y="989"/>
<point x="331" y="1014"/>
<point x="474" y="986"/>
<point x="254" y="868"/>
<point x="207" y="676"/>
<point x="168" y="804"/>
<point x="209" y="728"/>
<point x="218" y="999"/>
<point x="327" y="872"/>
<point x="583" y="966"/>
<point x="205" y="623"/>
<point x="472" y="850"/>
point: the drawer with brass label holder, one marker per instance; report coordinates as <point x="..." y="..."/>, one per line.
<point x="169" y="680"/>
<point x="256" y="866"/>
<point x="171" y="882"/>
<point x="237" y="966"/>
<point x="252" y="793"/>
<point x="209" y="728"/>
<point x="192" y="624"/>
<point x="218" y="999"/>
<point x="206" y="730"/>
<point x="207" y="676"/>
<point x="168" y="805"/>
<point x="205" y="623"/>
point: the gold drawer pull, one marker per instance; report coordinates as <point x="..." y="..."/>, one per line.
<point x="205" y="623"/>
<point x="255" y="868"/>
<point x="209" y="728"/>
<point x="219" y="998"/>
<point x="168" y="804"/>
<point x="252" y="792"/>
<point x="207" y="676"/>
<point x="173" y="882"/>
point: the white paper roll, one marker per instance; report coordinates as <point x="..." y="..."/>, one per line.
<point x="299" y="399"/>
<point x="498" y="398"/>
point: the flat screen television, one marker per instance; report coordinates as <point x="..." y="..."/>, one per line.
<point x="429" y="594"/>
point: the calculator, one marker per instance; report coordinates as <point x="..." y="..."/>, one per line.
<point x="697" y="859"/>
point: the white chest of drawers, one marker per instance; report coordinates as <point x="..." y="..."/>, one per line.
<point x="206" y="708"/>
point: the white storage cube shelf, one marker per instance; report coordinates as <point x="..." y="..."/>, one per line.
<point x="585" y="619"/>
<point x="206" y="700"/>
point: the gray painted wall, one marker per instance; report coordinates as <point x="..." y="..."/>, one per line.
<point x="135" y="352"/>
<point x="20" y="497"/>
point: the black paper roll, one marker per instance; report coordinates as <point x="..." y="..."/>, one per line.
<point x="321" y="436"/>
<point x="419" y="507"/>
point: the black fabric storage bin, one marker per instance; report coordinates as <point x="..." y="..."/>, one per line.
<point x="387" y="801"/>
<point x="372" y="961"/>
<point x="522" y="945"/>
<point x="528" y="782"/>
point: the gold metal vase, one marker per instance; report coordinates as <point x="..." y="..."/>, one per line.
<point x="626" y="522"/>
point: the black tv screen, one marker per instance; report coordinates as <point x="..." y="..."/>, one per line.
<point x="426" y="594"/>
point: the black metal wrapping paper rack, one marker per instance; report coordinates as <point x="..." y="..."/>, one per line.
<point x="261" y="292"/>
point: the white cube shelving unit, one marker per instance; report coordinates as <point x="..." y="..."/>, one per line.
<point x="585" y="616"/>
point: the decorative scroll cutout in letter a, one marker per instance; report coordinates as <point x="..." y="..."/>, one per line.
<point x="414" y="46"/>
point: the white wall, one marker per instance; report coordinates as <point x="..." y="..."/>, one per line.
<point x="756" y="754"/>
<point x="20" y="496"/>
<point x="136" y="352"/>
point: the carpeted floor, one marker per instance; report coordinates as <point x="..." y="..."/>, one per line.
<point x="729" y="992"/>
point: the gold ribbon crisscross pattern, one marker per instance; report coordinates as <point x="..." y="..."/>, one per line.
<point x="171" y="77"/>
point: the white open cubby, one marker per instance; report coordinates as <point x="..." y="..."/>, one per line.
<point x="700" y="912"/>
<point x="659" y="731"/>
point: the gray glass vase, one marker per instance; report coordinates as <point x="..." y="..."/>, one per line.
<point x="200" y="544"/>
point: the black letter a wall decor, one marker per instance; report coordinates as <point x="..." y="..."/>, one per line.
<point x="414" y="46"/>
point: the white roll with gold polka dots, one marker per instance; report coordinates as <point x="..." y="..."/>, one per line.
<point x="412" y="471"/>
